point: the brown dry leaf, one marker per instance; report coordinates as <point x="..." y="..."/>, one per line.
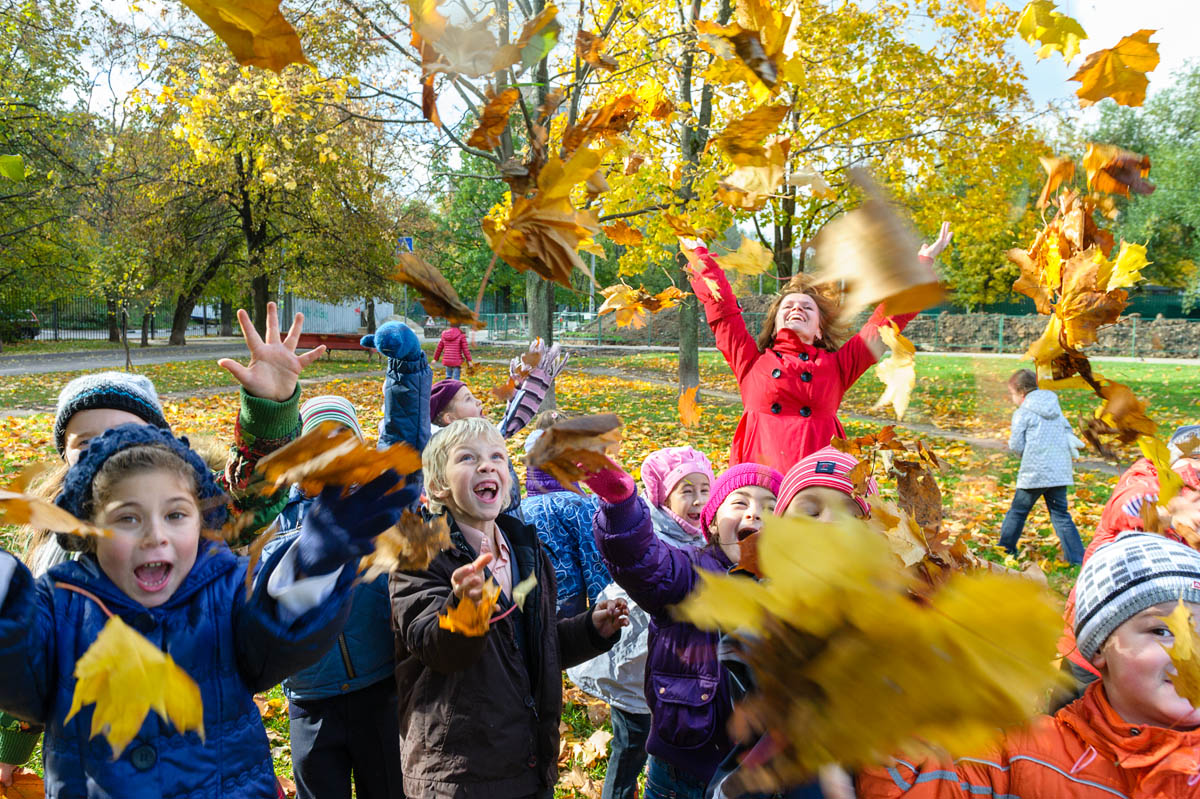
<point x="633" y="162"/>
<point x="25" y="785"/>
<point x="17" y="509"/>
<point x="743" y="138"/>
<point x="1085" y="304"/>
<point x="410" y="544"/>
<point x="749" y="187"/>
<point x="494" y="118"/>
<point x="1124" y="412"/>
<point x="875" y="252"/>
<point x="885" y="439"/>
<point x="589" y="47"/>
<point x="255" y="554"/>
<point x="471" y="618"/>
<point x="553" y="100"/>
<point x="689" y="410"/>
<point x="19" y="483"/>
<point x="596" y="185"/>
<point x="621" y="233"/>
<point x="331" y="455"/>
<point x="255" y="30"/>
<point x="1113" y="170"/>
<point x="438" y="297"/>
<point x="1119" y="73"/>
<point x="1184" y="653"/>
<point x="1059" y="169"/>
<point x="918" y="494"/>
<point x="1030" y="281"/>
<point x="748" y="555"/>
<point x="898" y="373"/>
<point x="595" y="748"/>
<point x="609" y="120"/>
<point x="572" y="449"/>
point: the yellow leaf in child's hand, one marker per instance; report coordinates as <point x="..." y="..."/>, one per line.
<point x="471" y="618"/>
<point x="16" y="508"/>
<point x="1185" y="654"/>
<point x="689" y="411"/>
<point x="126" y="677"/>
<point x="523" y="589"/>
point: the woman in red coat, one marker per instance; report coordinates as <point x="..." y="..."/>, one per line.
<point x="793" y="377"/>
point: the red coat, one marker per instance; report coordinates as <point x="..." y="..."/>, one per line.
<point x="1084" y="751"/>
<point x="791" y="392"/>
<point x="452" y="348"/>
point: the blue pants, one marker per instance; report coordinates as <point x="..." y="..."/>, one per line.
<point x="1060" y="517"/>
<point x="628" y="757"/>
<point x="453" y="372"/>
<point x="665" y="781"/>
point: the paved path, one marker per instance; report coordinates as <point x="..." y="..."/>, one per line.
<point x="12" y="365"/>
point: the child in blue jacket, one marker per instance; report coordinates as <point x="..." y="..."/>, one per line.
<point x="186" y="594"/>
<point x="343" y="713"/>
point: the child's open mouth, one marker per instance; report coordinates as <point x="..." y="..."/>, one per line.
<point x="693" y="517"/>
<point x="152" y="577"/>
<point x="487" y="490"/>
<point x="745" y="532"/>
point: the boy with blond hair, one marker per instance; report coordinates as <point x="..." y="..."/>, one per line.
<point x="479" y="715"/>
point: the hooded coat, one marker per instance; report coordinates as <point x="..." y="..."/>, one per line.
<point x="1042" y="436"/>
<point x="452" y="348"/>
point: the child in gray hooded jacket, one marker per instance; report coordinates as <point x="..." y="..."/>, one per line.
<point x="1042" y="436"/>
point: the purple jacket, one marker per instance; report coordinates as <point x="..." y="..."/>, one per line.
<point x="688" y="697"/>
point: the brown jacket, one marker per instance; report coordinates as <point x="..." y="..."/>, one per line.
<point x="479" y="716"/>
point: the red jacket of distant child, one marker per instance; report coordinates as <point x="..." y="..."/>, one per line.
<point x="791" y="392"/>
<point x="452" y="348"/>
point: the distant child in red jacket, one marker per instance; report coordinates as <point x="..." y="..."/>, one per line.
<point x="452" y="351"/>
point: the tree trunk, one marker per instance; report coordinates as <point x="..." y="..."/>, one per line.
<point x="689" y="339"/>
<point x="226" y="318"/>
<point x="186" y="300"/>
<point x="539" y="304"/>
<point x="370" y="315"/>
<point x="180" y="319"/>
<point x="784" y="238"/>
<point x="260" y="287"/>
<point x="113" y="315"/>
<point x="146" y="328"/>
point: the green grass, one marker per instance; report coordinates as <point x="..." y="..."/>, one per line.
<point x="41" y="347"/>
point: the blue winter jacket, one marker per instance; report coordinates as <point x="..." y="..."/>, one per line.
<point x="231" y="646"/>
<point x="364" y="652"/>
<point x="563" y="520"/>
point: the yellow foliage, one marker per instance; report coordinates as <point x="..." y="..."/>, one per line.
<point x="126" y="677"/>
<point x="1185" y="654"/>
<point x="898" y="373"/>
<point x="750" y="258"/>
<point x="1040" y="22"/>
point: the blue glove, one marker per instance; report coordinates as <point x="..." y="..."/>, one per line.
<point x="338" y="529"/>
<point x="393" y="339"/>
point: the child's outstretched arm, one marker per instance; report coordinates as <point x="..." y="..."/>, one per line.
<point x="419" y="597"/>
<point x="406" y="387"/>
<point x="655" y="574"/>
<point x="524" y="404"/>
<point x="722" y="311"/>
<point x="26" y="642"/>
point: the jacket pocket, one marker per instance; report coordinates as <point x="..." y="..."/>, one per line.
<point x="684" y="708"/>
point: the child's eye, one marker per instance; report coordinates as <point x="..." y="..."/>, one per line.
<point x="1161" y="632"/>
<point x="176" y="515"/>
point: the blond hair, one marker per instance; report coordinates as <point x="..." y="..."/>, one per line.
<point x="436" y="456"/>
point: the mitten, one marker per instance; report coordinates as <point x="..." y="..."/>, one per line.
<point x="393" y="339"/>
<point x="611" y="485"/>
<point x="338" y="529"/>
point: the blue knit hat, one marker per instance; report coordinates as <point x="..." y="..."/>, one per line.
<point x="76" y="496"/>
<point x="118" y="391"/>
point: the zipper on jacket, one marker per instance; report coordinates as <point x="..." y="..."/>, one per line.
<point x="345" y="655"/>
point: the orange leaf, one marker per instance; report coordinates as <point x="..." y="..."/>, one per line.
<point x="1058" y="170"/>
<point x="689" y="411"/>
<point x="622" y="233"/>
<point x="572" y="449"/>
<point x="410" y="544"/>
<point x="471" y="618"/>
<point x="1115" y="171"/>
<point x="25" y="785"/>
<point x="16" y="509"/>
<point x="255" y="553"/>
<point x="331" y="455"/>
<point x="588" y="47"/>
<point x="633" y="162"/>
<point x="494" y="118"/>
<point x="438" y="297"/>
<point x="742" y="138"/>
<point x="255" y="30"/>
<point x="1119" y="73"/>
<point x="612" y="119"/>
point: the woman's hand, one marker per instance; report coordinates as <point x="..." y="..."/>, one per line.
<point x="467" y="581"/>
<point x="6" y="774"/>
<point x="610" y="616"/>
<point x="274" y="365"/>
<point x="932" y="251"/>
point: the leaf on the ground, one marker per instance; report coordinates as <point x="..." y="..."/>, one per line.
<point x="332" y="455"/>
<point x="621" y="233"/>
<point x="471" y="618"/>
<point x="918" y="493"/>
<point x="1113" y="170"/>
<point x="742" y="139"/>
<point x="898" y="373"/>
<point x="1039" y="22"/>
<point x="494" y="118"/>
<point x="410" y="544"/>
<point x="288" y="786"/>
<point x="521" y="590"/>
<point x="571" y="449"/>
<point x="1119" y="72"/>
<point x="255" y="31"/>
<point x="749" y="187"/>
<point x="1059" y="169"/>
<point x="750" y="258"/>
<point x="438" y="297"/>
<point x="17" y="508"/>
<point x="1184" y="653"/>
<point x="254" y="552"/>
<point x="25" y="785"/>
<point x="269" y="707"/>
<point x="595" y="748"/>
<point x="689" y="410"/>
<point x="125" y="677"/>
<point x="589" y="47"/>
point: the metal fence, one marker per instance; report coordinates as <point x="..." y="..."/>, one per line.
<point x="88" y="318"/>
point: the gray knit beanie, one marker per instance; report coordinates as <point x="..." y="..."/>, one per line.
<point x="1134" y="572"/>
<point x="119" y="391"/>
<point x="1185" y="442"/>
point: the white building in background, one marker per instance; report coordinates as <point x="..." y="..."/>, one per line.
<point x="346" y="317"/>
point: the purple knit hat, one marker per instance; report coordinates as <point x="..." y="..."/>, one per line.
<point x="733" y="478"/>
<point x="663" y="469"/>
<point x="441" y="395"/>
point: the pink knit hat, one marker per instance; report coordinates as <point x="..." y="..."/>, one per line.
<point x="663" y="469"/>
<point x="733" y="478"/>
<point x="826" y="467"/>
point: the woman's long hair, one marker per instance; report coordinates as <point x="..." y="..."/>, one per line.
<point x="829" y="306"/>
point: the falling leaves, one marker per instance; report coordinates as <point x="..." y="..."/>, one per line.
<point x="1169" y="482"/>
<point x="749" y="187"/>
<point x="1119" y="73"/>
<point x="255" y="30"/>
<point x="17" y="508"/>
<point x="494" y="118"/>
<point x="331" y="455"/>
<point x="410" y="544"/>
<point x="1058" y="170"/>
<point x="1113" y="170"/>
<point x="750" y="49"/>
<point x="126" y="677"/>
<point x="750" y="258"/>
<point x="742" y="139"/>
<point x="254" y="552"/>
<point x="1184" y="653"/>
<point x="898" y="373"/>
<point x="589" y="47"/>
<point x="529" y="360"/>
<point x="523" y="589"/>
<point x="25" y="785"/>
<point x="631" y="305"/>
<point x="471" y="618"/>
<point x="689" y="410"/>
<point x="1039" y="22"/>
<point x="438" y="297"/>
<point x="572" y="449"/>
<point x="621" y="233"/>
<point x="609" y="120"/>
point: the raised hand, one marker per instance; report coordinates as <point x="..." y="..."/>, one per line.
<point x="611" y="485"/>
<point x="940" y="243"/>
<point x="340" y="527"/>
<point x="467" y="581"/>
<point x="274" y="365"/>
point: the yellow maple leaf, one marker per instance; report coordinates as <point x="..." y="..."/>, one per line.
<point x="1185" y="653"/>
<point x="1119" y="72"/>
<point x="255" y="30"/>
<point x="1126" y="271"/>
<point x="750" y="258"/>
<point x="898" y="373"/>
<point x="1039" y="22"/>
<point x="126" y="677"/>
<point x="1169" y="482"/>
<point x="621" y="233"/>
<point x="689" y="411"/>
<point x="471" y="618"/>
<point x="749" y="187"/>
<point x="626" y="303"/>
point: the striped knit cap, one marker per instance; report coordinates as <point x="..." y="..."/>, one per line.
<point x="733" y="478"/>
<point x="1121" y="579"/>
<point x="118" y="391"/>
<point x="328" y="408"/>
<point x="826" y="467"/>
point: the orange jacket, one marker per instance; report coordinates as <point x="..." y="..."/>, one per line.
<point x="1085" y="751"/>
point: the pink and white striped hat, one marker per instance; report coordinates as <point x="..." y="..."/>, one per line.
<point x="826" y="467"/>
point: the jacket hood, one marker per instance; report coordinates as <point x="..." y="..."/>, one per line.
<point x="453" y="334"/>
<point x="1042" y="402"/>
<point x="669" y="530"/>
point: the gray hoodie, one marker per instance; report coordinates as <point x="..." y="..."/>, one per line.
<point x="1042" y="436"/>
